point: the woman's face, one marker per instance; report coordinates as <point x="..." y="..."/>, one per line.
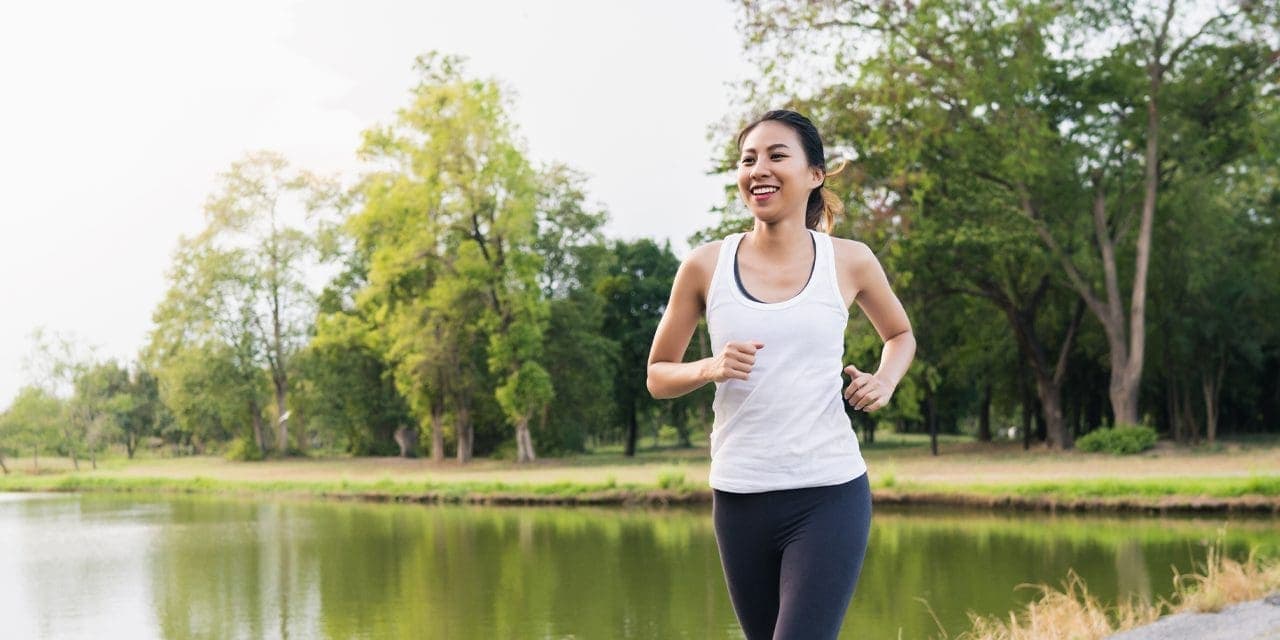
<point x="774" y="177"/>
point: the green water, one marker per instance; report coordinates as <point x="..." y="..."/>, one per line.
<point x="100" y="566"/>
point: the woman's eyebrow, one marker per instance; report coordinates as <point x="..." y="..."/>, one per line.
<point x="771" y="147"/>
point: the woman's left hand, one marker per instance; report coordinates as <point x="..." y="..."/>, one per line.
<point x="866" y="392"/>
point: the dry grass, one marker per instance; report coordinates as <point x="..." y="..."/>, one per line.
<point x="1072" y="613"/>
<point x="1224" y="582"/>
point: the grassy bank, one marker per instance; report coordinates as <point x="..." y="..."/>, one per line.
<point x="1072" y="613"/>
<point x="1230" y="477"/>
<point x="1257" y="494"/>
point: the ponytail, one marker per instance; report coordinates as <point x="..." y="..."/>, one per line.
<point x="824" y="205"/>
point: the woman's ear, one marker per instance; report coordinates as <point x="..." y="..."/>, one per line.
<point x="817" y="175"/>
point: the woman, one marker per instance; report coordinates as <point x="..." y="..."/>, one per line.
<point x="791" y="501"/>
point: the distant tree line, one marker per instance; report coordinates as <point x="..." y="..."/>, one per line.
<point x="1076" y="201"/>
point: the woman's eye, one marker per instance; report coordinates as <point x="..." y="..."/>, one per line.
<point x="777" y="156"/>
<point x="748" y="160"/>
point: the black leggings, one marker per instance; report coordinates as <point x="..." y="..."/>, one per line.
<point x="791" y="558"/>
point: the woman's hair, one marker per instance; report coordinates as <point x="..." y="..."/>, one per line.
<point x="823" y="206"/>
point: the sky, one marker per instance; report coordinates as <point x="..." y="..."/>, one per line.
<point x="117" y="117"/>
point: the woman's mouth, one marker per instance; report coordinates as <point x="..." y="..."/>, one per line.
<point x="763" y="193"/>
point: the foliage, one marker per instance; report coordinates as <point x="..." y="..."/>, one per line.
<point x="1120" y="440"/>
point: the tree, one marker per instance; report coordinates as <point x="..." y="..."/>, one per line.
<point x="239" y="288"/>
<point x="578" y="359"/>
<point x="450" y="224"/>
<point x="246" y="216"/>
<point x="101" y="397"/>
<point x="30" y="423"/>
<point x="635" y="288"/>
<point x="1061" y="136"/>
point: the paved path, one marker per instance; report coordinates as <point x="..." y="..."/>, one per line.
<point x="1257" y="620"/>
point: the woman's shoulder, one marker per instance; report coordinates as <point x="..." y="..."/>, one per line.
<point x="704" y="256"/>
<point x="850" y="253"/>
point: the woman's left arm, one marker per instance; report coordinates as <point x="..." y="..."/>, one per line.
<point x="868" y="392"/>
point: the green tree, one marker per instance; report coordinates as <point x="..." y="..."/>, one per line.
<point x="579" y="360"/>
<point x="238" y="292"/>
<point x="101" y="398"/>
<point x="451" y="224"/>
<point x="635" y="288"/>
<point x="248" y="216"/>
<point x="30" y="423"/>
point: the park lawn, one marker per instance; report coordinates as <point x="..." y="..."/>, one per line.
<point x="900" y="466"/>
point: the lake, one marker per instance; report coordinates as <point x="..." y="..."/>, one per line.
<point x="95" y="566"/>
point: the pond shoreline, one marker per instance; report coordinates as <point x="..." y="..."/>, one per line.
<point x="1011" y="498"/>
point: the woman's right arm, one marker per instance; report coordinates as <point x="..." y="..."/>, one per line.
<point x="669" y="376"/>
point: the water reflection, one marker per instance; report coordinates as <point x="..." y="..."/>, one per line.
<point x="89" y="566"/>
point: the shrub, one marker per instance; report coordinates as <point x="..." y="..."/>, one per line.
<point x="668" y="433"/>
<point x="1122" y="440"/>
<point x="243" y="451"/>
<point x="671" y="479"/>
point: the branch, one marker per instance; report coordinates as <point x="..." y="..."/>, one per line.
<point x="1177" y="51"/>
<point x="1077" y="281"/>
<point x="1106" y="244"/>
<point x="1060" y="369"/>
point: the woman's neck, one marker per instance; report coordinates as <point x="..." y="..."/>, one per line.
<point x="787" y="237"/>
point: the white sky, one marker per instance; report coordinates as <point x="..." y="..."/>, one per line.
<point x="116" y="117"/>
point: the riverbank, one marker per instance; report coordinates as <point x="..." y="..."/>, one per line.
<point x="1241" y="479"/>
<point x="1224" y="599"/>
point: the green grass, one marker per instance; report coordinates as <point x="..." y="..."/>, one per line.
<point x="672" y="480"/>
<point x="1253" y="485"/>
<point x="383" y="488"/>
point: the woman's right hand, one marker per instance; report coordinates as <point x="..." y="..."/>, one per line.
<point x="733" y="362"/>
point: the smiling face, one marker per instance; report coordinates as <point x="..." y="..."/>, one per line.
<point x="774" y="176"/>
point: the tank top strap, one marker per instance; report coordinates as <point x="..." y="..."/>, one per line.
<point x="826" y="259"/>
<point x="722" y="277"/>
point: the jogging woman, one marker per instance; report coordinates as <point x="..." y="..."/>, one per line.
<point x="791" y="502"/>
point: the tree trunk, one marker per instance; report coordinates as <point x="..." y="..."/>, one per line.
<point x="931" y="421"/>
<point x="93" y="459"/>
<point x="524" y="443"/>
<point x="4" y="466"/>
<point x="1188" y="414"/>
<point x="407" y="438"/>
<point x="1174" y="409"/>
<point x="35" y="459"/>
<point x="1055" y="428"/>
<point x="437" y="432"/>
<point x="1211" y="385"/>
<point x="984" y="416"/>
<point x="464" y="434"/>
<point x="282" y="420"/>
<point x="1026" y="422"/>
<point x="633" y="427"/>
<point x="1021" y="313"/>
<point x="257" y="427"/>
<point x="298" y="418"/>
<point x="131" y="444"/>
<point x="74" y="461"/>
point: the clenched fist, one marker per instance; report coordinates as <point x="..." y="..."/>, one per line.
<point x="866" y="392"/>
<point x="735" y="361"/>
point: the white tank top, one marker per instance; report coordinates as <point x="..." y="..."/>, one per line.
<point x="784" y="427"/>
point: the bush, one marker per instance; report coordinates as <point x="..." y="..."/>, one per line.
<point x="671" y="479"/>
<point x="667" y="433"/>
<point x="1122" y="440"/>
<point x="506" y="451"/>
<point x="243" y="451"/>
